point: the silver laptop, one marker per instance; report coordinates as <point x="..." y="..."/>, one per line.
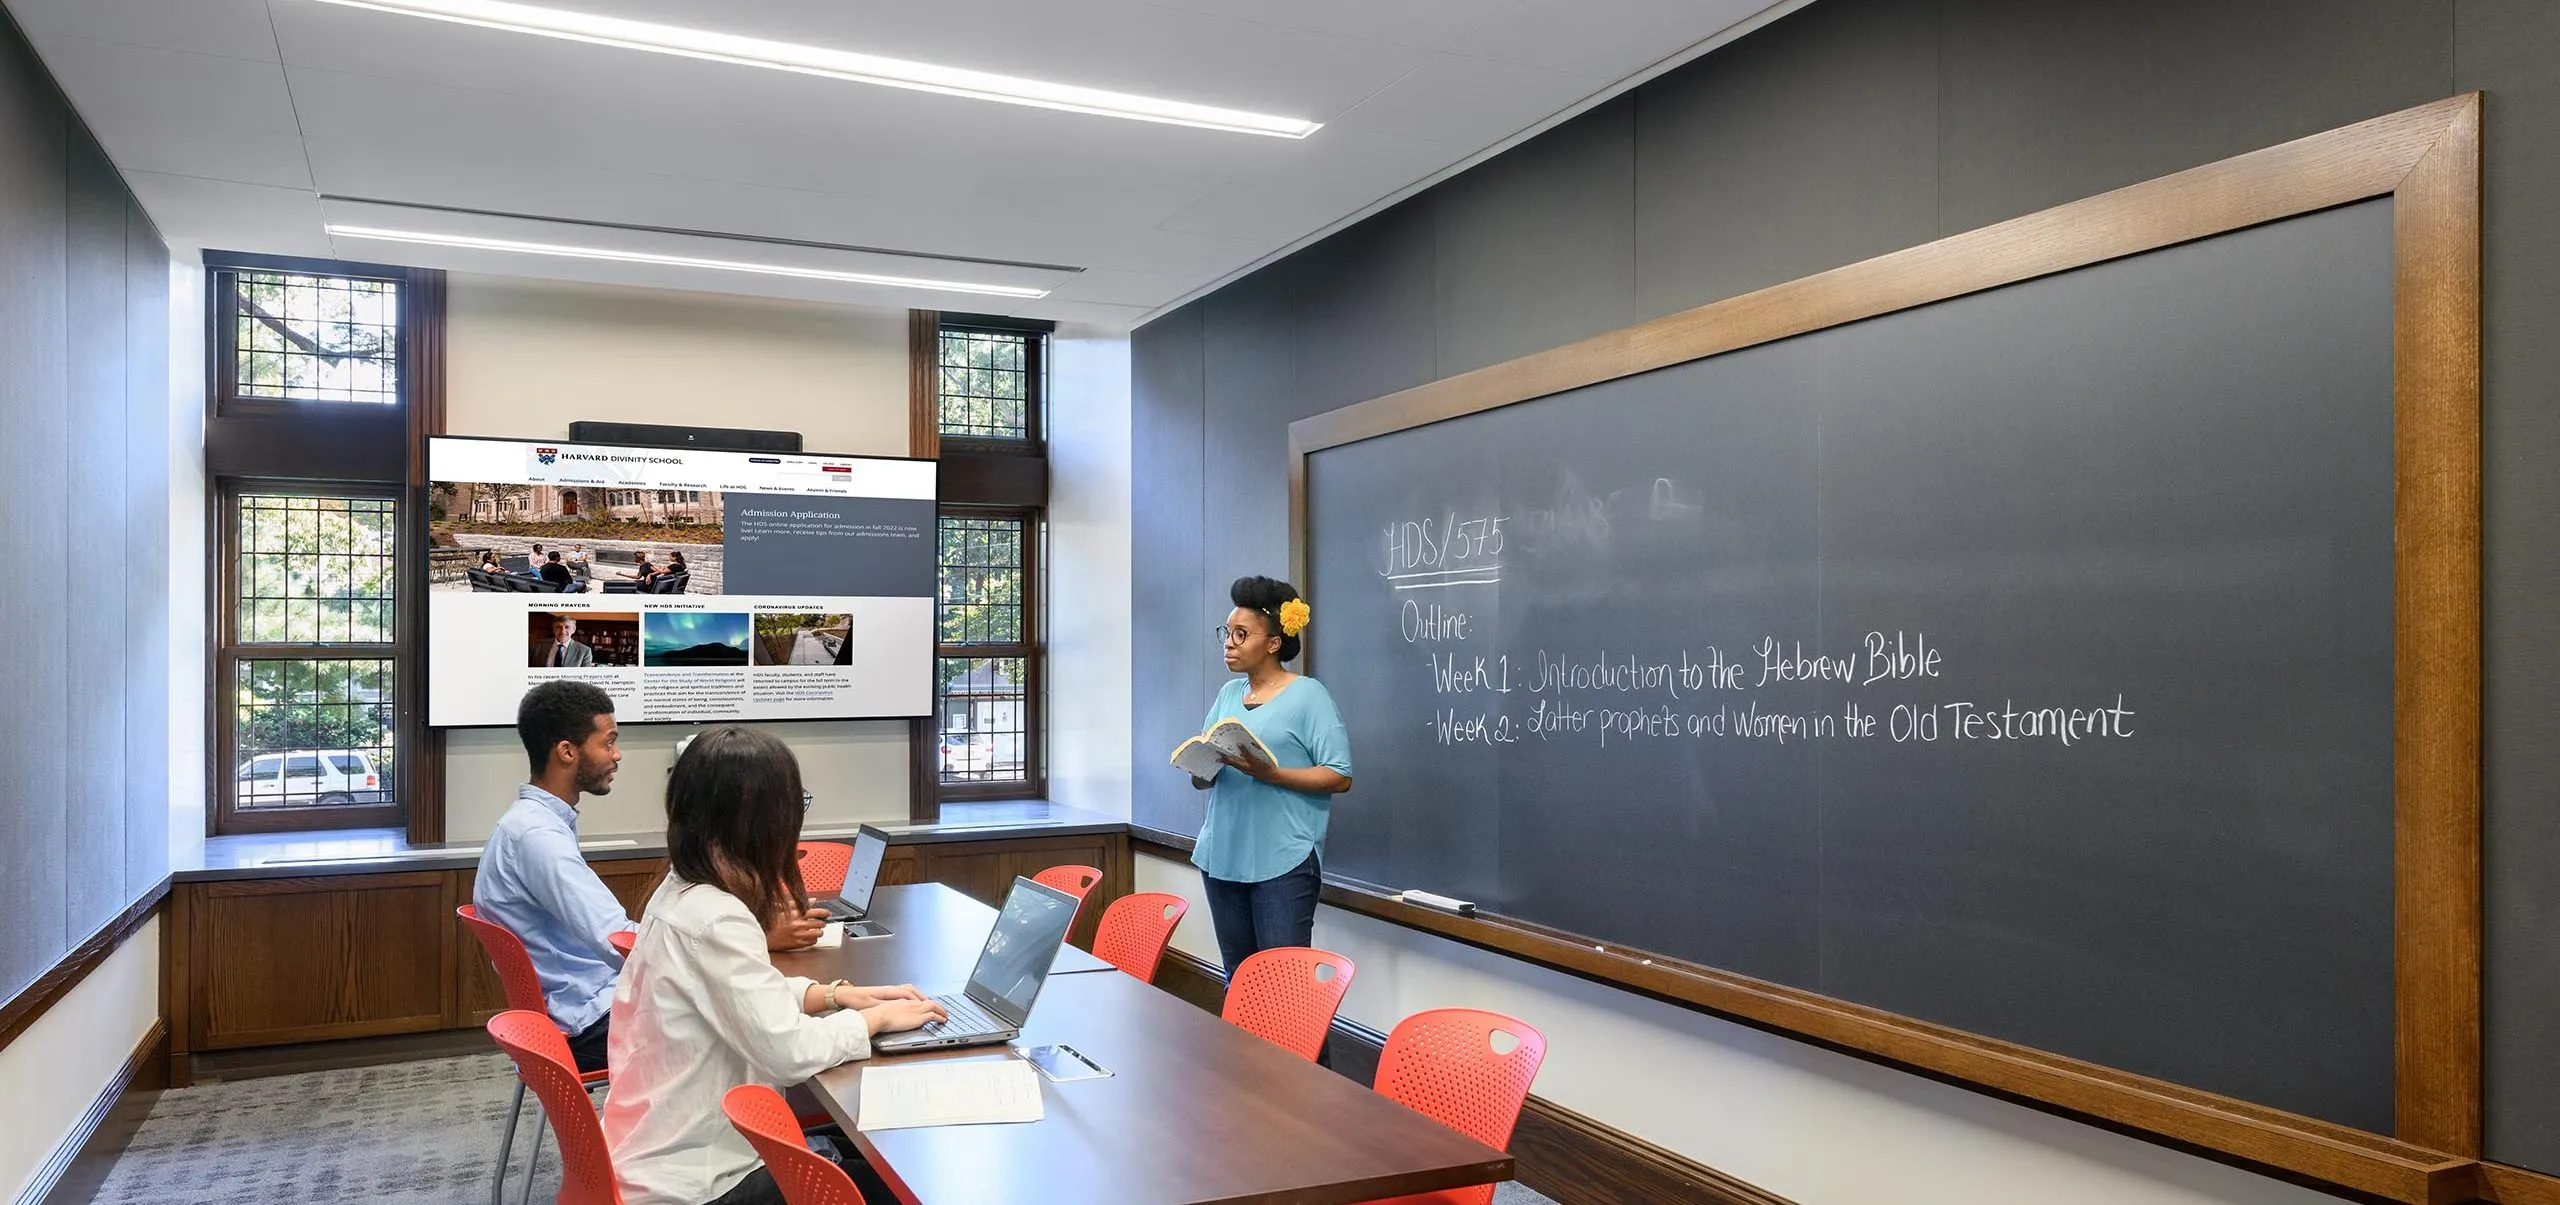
<point x="1007" y="979"/>
<point x="852" y="904"/>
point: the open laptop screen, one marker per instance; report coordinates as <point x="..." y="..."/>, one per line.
<point x="1020" y="948"/>
<point x="863" y="873"/>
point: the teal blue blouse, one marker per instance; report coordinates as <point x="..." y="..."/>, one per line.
<point x="1256" y="830"/>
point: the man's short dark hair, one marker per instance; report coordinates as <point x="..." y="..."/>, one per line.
<point x="552" y="555"/>
<point x="558" y="711"/>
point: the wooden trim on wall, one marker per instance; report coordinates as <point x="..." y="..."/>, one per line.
<point x="924" y="359"/>
<point x="924" y="440"/>
<point x="21" y="1010"/>
<point x="424" y="361"/>
<point x="2427" y="159"/>
<point x="1562" y="1154"/>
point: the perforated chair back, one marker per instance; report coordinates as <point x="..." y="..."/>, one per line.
<point x="507" y="954"/>
<point x="542" y="1062"/>
<point x="1444" y="1065"/>
<point x="1288" y="997"/>
<point x="1074" y="880"/>
<point x="822" y="867"/>
<point x="804" y="1176"/>
<point x="1135" y="930"/>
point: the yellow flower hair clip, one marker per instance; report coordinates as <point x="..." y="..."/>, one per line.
<point x="1294" y="615"/>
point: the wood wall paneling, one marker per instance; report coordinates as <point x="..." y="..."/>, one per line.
<point x="97" y="561"/>
<point x="35" y="736"/>
<point x="277" y="961"/>
<point x="2428" y="158"/>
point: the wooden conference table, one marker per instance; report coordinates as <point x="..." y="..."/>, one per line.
<point x="1195" y="1110"/>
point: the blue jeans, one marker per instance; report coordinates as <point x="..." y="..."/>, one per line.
<point x="1253" y="917"/>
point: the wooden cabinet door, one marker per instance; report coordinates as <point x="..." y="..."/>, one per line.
<point x="985" y="870"/>
<point x="632" y="880"/>
<point x="301" y="960"/>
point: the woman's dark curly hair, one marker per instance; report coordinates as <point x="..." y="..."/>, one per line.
<point x="1265" y="594"/>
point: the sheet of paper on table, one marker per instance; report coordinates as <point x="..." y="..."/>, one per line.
<point x="948" y="1092"/>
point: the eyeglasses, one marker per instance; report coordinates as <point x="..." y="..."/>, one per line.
<point x="805" y="799"/>
<point x="1228" y="635"/>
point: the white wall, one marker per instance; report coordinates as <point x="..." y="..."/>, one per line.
<point x="1816" y="1127"/>
<point x="526" y="358"/>
<point x="187" y="634"/>
<point x="1088" y="611"/>
<point x="56" y="1069"/>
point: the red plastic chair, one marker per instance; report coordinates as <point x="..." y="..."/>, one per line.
<point x="805" y="1177"/>
<point x="542" y="1059"/>
<point x="1135" y="930"/>
<point x="1074" y="880"/>
<point x="1284" y="997"/>
<point x="822" y="867"/>
<point x="524" y="994"/>
<point x="1443" y="1064"/>
<point x="622" y="942"/>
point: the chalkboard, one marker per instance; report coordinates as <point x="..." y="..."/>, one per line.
<point x="2021" y="662"/>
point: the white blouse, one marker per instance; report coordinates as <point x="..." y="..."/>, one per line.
<point x="700" y="1009"/>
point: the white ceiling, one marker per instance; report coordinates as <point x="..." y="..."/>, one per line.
<point x="237" y="121"/>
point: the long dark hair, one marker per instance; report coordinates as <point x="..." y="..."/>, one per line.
<point x="733" y="819"/>
<point x="1265" y="594"/>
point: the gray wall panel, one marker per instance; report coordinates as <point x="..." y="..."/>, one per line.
<point x="2045" y="103"/>
<point x="1364" y="312"/>
<point x="1537" y="247"/>
<point x="33" y="733"/>
<point x="1857" y="127"/>
<point x="2511" y="48"/>
<point x="148" y="707"/>
<point x="1167" y="679"/>
<point x="93" y="632"/>
<point x="1250" y="383"/>
<point x="1807" y="145"/>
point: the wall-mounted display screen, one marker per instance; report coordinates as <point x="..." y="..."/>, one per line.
<point x="693" y="586"/>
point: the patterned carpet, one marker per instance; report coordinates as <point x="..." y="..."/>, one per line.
<point x="421" y="1133"/>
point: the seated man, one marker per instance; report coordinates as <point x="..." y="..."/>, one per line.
<point x="535" y="882"/>
<point x="533" y="879"/>
<point x="556" y="572"/>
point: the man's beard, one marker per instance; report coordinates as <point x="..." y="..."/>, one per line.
<point x="595" y="778"/>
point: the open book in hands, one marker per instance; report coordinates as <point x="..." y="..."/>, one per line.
<point x="1202" y="755"/>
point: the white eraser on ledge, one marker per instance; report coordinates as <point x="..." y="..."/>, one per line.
<point x="1441" y="902"/>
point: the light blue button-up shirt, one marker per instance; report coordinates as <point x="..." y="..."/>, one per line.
<point x="534" y="881"/>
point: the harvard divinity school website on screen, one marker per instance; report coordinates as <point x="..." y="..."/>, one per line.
<point x="690" y="585"/>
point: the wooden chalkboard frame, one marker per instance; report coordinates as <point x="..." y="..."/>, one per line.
<point x="2427" y="159"/>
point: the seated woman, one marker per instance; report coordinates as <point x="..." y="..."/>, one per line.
<point x="700" y="1008"/>
<point x="641" y="570"/>
<point x="489" y="561"/>
<point x="676" y="565"/>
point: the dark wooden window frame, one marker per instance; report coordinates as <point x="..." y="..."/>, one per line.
<point x="266" y="443"/>
<point x="222" y="385"/>
<point x="984" y="476"/>
<point x="229" y="652"/>
<point x="1034" y="782"/>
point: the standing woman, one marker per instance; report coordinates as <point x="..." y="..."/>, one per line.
<point x="1259" y="851"/>
<point x="701" y="1008"/>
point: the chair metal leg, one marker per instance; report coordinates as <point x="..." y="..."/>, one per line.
<point x="506" y="1148"/>
<point x="535" y="1161"/>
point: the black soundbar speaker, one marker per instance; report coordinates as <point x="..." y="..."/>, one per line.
<point x="653" y="435"/>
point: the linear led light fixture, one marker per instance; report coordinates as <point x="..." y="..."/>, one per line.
<point x="833" y="64"/>
<point x="565" y="251"/>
